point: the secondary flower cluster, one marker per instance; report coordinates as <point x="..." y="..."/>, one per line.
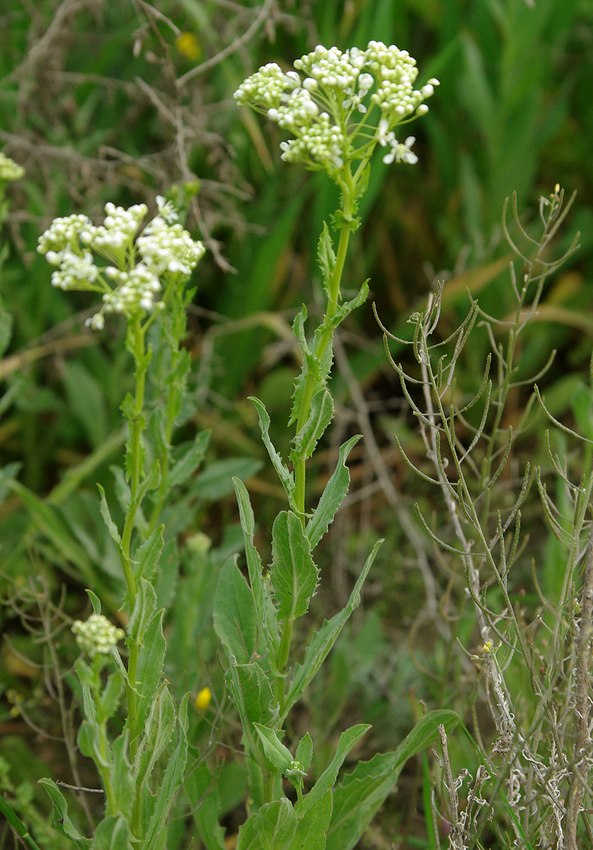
<point x="137" y="266"/>
<point x="339" y="105"/>
<point x="97" y="635"/>
<point x="9" y="169"/>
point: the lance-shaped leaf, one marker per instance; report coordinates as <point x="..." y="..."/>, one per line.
<point x="61" y="820"/>
<point x="276" y="753"/>
<point x="109" y="523"/>
<point x="124" y="786"/>
<point x="144" y="607"/>
<point x="286" y="477"/>
<point x="324" y="639"/>
<point x="326" y="258"/>
<point x="150" y="664"/>
<point x="304" y="751"/>
<point x="170" y="784"/>
<point x="310" y="366"/>
<point x="147" y="556"/>
<point x="348" y="739"/>
<point x="160" y="725"/>
<point x="235" y="619"/>
<point x="190" y="460"/>
<point x="293" y="574"/>
<point x="332" y="497"/>
<point x="330" y="323"/>
<point x="320" y="416"/>
<point x="254" y="564"/>
<point x="362" y="792"/>
<point x="110" y="697"/>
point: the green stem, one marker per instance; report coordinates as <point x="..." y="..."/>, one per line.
<point x="135" y="467"/>
<point x="173" y="332"/>
<point x="326" y="337"/>
<point x="282" y="659"/>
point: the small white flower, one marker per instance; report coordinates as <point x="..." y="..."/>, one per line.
<point x="401" y="152"/>
<point x="166" y="210"/>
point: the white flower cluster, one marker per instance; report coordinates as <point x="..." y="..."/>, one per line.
<point x="9" y="169"/>
<point x="338" y="105"/>
<point x="168" y="247"/>
<point x="133" y="279"/>
<point x="97" y="635"/>
<point x="117" y="232"/>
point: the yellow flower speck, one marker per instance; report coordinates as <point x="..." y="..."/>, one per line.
<point x="203" y="699"/>
<point x="188" y="45"/>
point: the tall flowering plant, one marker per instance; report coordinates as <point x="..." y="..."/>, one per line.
<point x="338" y="108"/>
<point x="141" y="274"/>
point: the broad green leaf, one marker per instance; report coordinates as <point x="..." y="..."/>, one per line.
<point x="150" y="664"/>
<point x="286" y="477"/>
<point x="326" y="257"/>
<point x="146" y="557"/>
<point x="312" y="827"/>
<point x="276" y="753"/>
<point x="254" y="564"/>
<point x="324" y="639"/>
<point x="169" y="786"/>
<point x="112" y="833"/>
<point x="106" y="514"/>
<point x="362" y="792"/>
<point x="276" y="824"/>
<point x="293" y="573"/>
<point x="60" y="818"/>
<point x="348" y="739"/>
<point x="235" y="619"/>
<point x="271" y="828"/>
<point x="333" y="495"/>
<point x="190" y="460"/>
<point x="320" y="416"/>
<point x="304" y="751"/>
<point x="157" y="733"/>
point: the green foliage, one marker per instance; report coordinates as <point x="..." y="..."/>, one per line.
<point x="475" y="603"/>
